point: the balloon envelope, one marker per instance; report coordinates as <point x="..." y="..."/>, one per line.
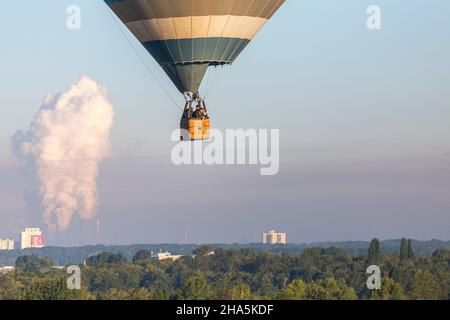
<point x="187" y="36"/>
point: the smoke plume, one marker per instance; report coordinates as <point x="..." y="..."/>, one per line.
<point x="66" y="141"/>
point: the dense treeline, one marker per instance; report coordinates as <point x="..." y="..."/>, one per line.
<point x="73" y="255"/>
<point x="237" y="274"/>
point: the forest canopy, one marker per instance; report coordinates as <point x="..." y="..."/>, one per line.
<point x="236" y="274"/>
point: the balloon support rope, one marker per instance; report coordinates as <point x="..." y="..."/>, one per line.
<point x="142" y="59"/>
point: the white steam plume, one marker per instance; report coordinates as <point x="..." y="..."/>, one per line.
<point x="66" y="141"/>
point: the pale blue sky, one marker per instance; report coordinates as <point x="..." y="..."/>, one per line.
<point x="364" y="119"/>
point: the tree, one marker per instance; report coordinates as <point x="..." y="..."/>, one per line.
<point x="424" y="286"/>
<point x="160" y="295"/>
<point x="314" y="291"/>
<point x="390" y="290"/>
<point x="442" y="253"/>
<point x="194" y="287"/>
<point x="156" y="280"/>
<point x="374" y="252"/>
<point x="319" y="274"/>
<point x="139" y="294"/>
<point x="410" y="249"/>
<point x="131" y="294"/>
<point x="102" y="278"/>
<point x="336" y="290"/>
<point x="10" y="288"/>
<point x="296" y="290"/>
<point x="236" y="292"/>
<point x="403" y="249"/>
<point x="50" y="288"/>
<point x="142" y="256"/>
<point x="115" y="294"/>
<point x="406" y="249"/>
<point x="327" y="289"/>
<point x="106" y="258"/>
<point x="33" y="263"/>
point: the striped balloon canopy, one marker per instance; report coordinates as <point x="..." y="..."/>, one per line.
<point x="187" y="36"/>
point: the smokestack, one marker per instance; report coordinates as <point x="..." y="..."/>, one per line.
<point x="65" y="143"/>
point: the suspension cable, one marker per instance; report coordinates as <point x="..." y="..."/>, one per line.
<point x="141" y="58"/>
<point x="215" y="81"/>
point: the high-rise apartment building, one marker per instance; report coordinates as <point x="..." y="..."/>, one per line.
<point x="32" y="238"/>
<point x="273" y="237"/>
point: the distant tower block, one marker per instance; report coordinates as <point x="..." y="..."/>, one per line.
<point x="6" y="244"/>
<point x="32" y="238"/>
<point x="272" y="237"/>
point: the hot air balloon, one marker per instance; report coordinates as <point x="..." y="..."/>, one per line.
<point x="187" y="36"/>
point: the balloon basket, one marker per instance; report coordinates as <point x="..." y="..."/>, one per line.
<point x="195" y="129"/>
<point x="195" y="125"/>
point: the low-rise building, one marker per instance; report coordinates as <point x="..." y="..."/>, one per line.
<point x="166" y="256"/>
<point x="6" y="269"/>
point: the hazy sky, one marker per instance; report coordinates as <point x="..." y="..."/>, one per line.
<point x="363" y="115"/>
